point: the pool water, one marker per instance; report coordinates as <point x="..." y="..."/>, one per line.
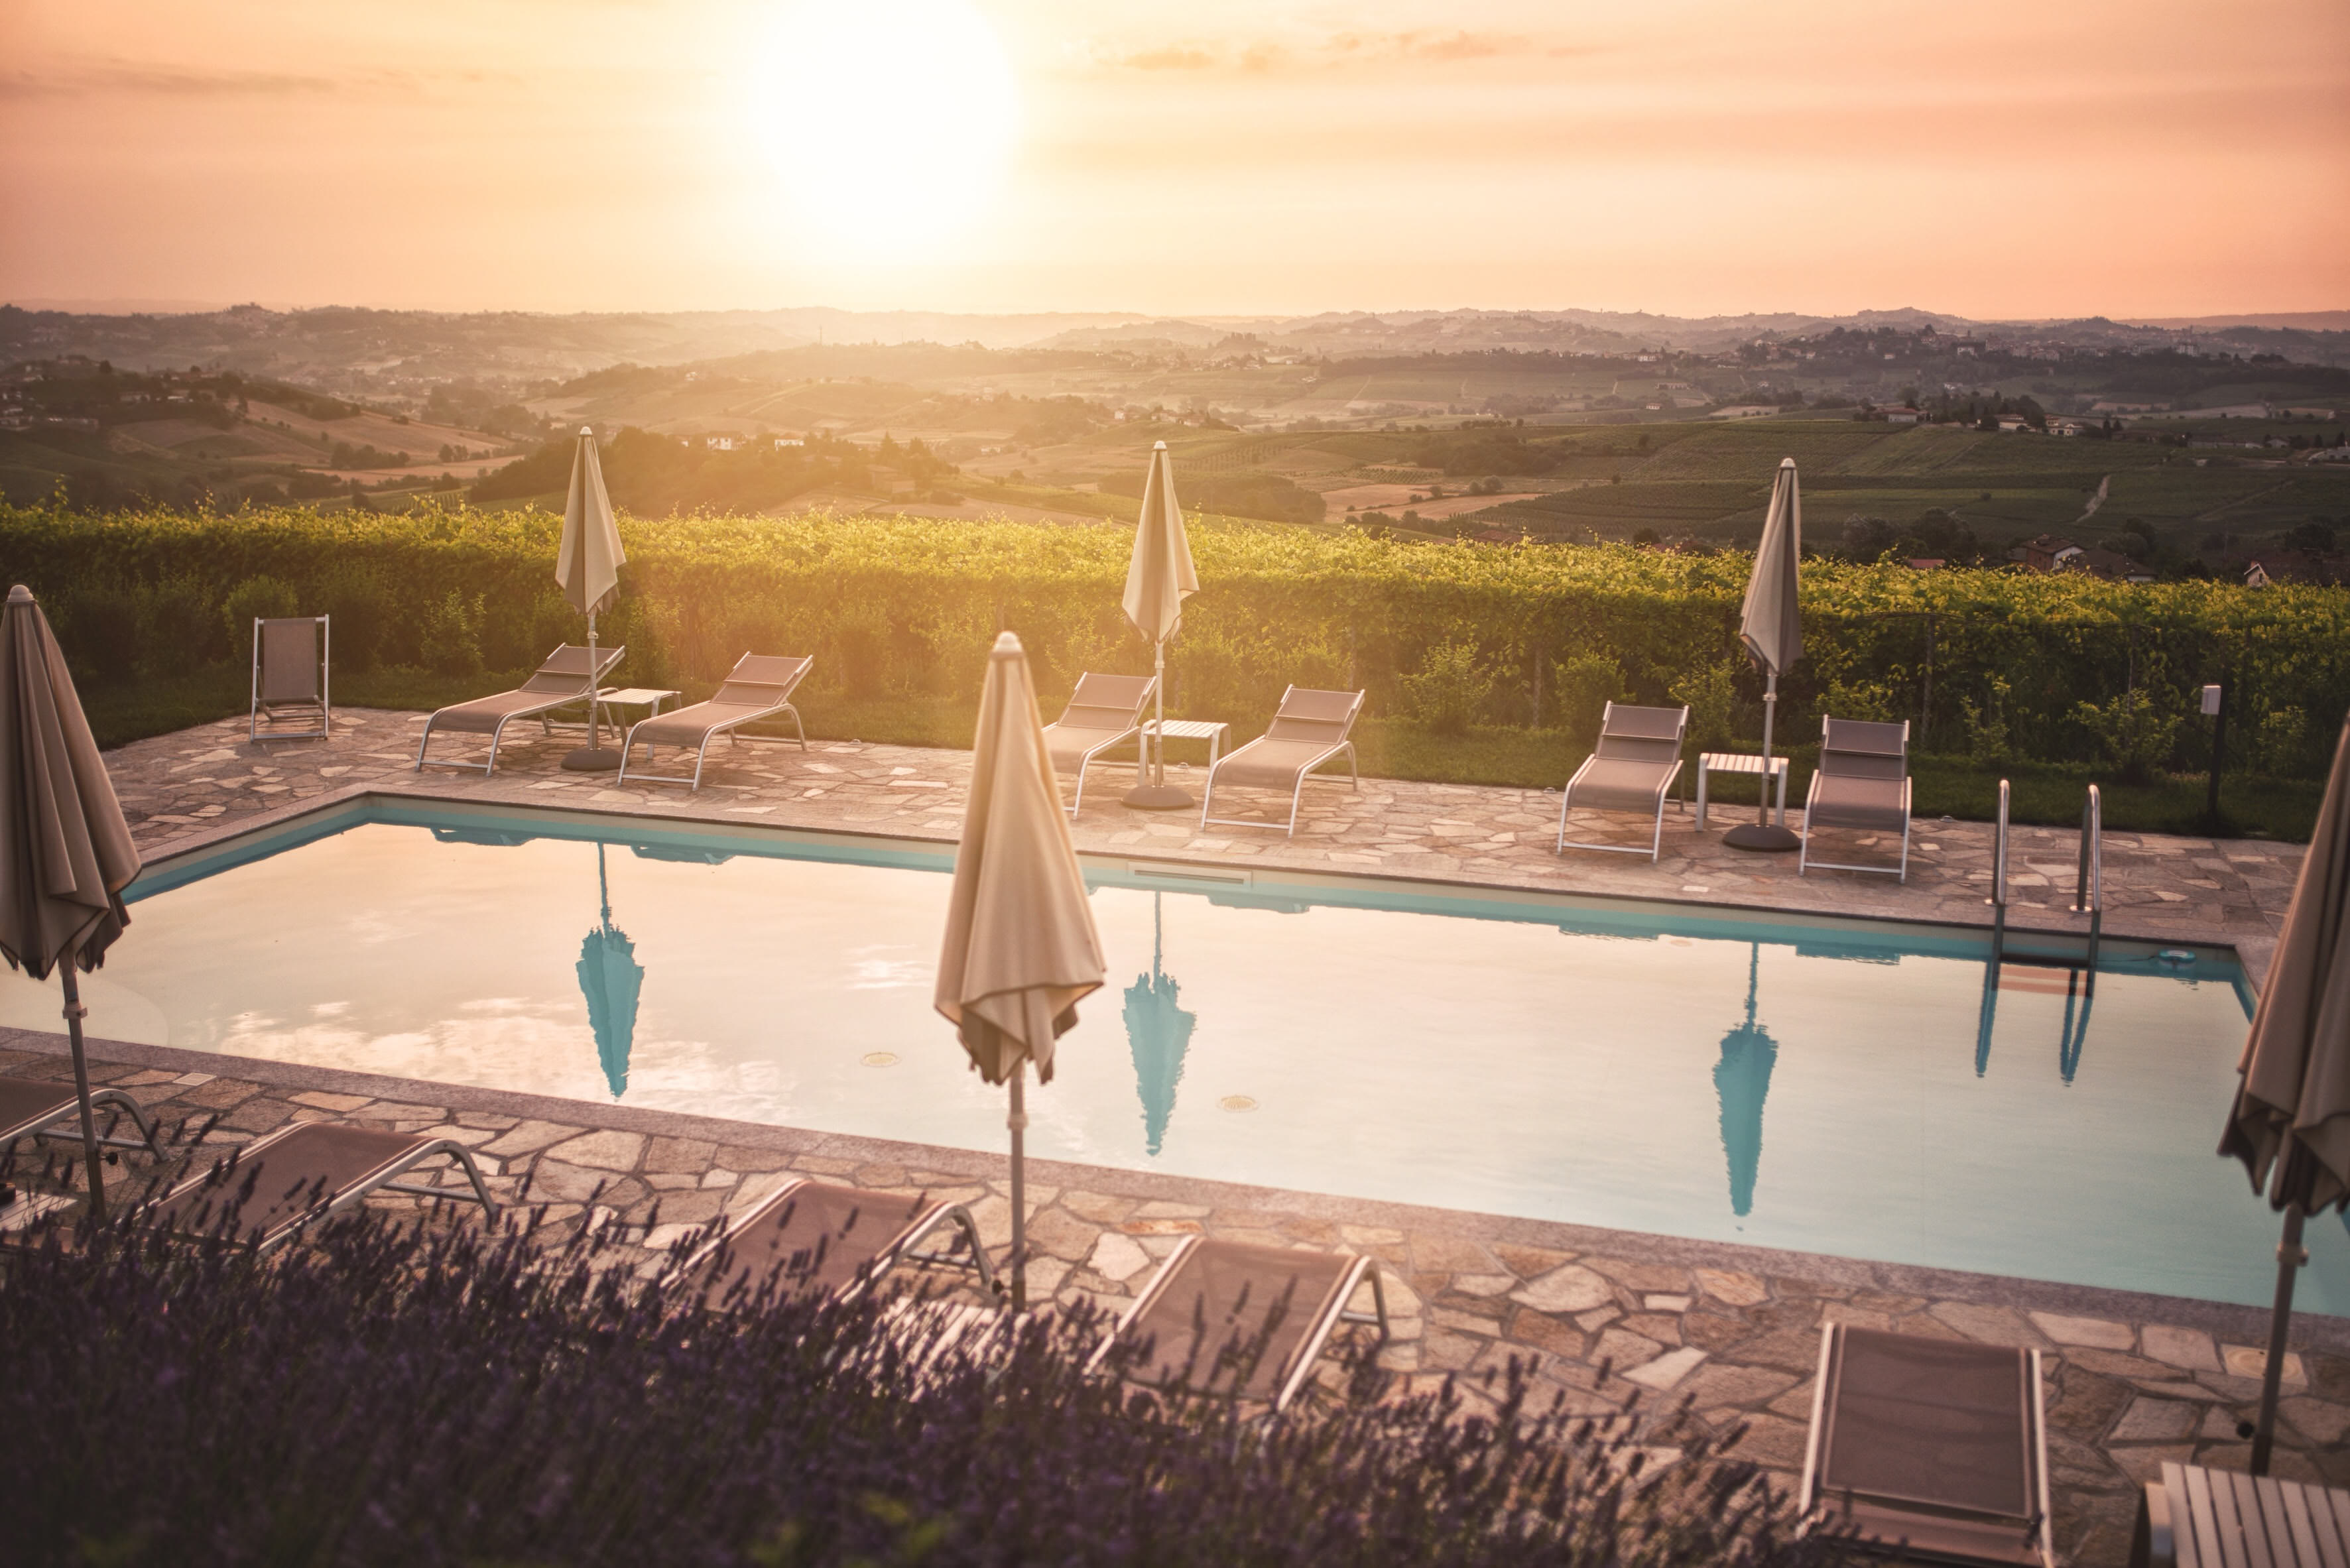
<point x="1828" y="1086"/>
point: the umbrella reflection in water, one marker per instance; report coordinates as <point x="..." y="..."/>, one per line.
<point x="1158" y="1032"/>
<point x="1743" y="1078"/>
<point x="611" y="977"/>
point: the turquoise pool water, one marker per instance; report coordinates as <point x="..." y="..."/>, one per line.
<point x="1830" y="1086"/>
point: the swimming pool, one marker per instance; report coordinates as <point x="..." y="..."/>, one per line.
<point x="1834" y="1086"/>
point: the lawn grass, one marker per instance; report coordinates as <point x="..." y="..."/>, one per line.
<point x="2042" y="793"/>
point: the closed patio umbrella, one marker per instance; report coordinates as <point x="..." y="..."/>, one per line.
<point x="610" y="978"/>
<point x="1771" y="627"/>
<point x="1020" y="949"/>
<point x="1742" y="1080"/>
<point x="1159" y="578"/>
<point x="588" y="563"/>
<point x="2291" y="1121"/>
<point x="1158" y="1032"/>
<point x="66" y="852"/>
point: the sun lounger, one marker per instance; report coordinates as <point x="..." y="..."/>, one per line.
<point x="265" y="1191"/>
<point x="290" y="668"/>
<point x="560" y="682"/>
<point x="760" y="686"/>
<point x="1231" y="1318"/>
<point x="1863" y="782"/>
<point x="1308" y="729"/>
<point x="32" y="1108"/>
<point x="1937" y="1449"/>
<point x="1105" y="711"/>
<point x="1631" y="769"/>
<point x="2198" y="1518"/>
<point x="813" y="1236"/>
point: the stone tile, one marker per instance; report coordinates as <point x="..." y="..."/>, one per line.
<point x="1668" y="1369"/>
<point x="2098" y="1333"/>
<point x="608" y="1149"/>
<point x="2251" y="1362"/>
<point x="2186" y="1348"/>
<point x="529" y="1137"/>
<point x="680" y="1155"/>
<point x="1567" y="1289"/>
<point x="2157" y="1421"/>
<point x="1990" y="1325"/>
<point x="1727" y="1285"/>
<point x="1117" y="1257"/>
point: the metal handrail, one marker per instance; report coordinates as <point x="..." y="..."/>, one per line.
<point x="1997" y="899"/>
<point x="2089" y="890"/>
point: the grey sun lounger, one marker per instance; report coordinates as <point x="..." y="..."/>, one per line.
<point x="760" y="686"/>
<point x="816" y="1237"/>
<point x="560" y="682"/>
<point x="291" y="661"/>
<point x="265" y="1192"/>
<point x="1933" y="1449"/>
<point x="1105" y="711"/>
<point x="1863" y="782"/>
<point x="1309" y="729"/>
<point x="1230" y="1317"/>
<point x="2192" y="1517"/>
<point x="1631" y="769"/>
<point x="31" y="1107"/>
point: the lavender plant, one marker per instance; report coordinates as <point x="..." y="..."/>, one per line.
<point x="386" y="1395"/>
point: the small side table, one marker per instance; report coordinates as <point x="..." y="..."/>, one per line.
<point x="1207" y="729"/>
<point x="1738" y="762"/>
<point x="646" y="697"/>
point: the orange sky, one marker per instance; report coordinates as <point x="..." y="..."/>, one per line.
<point x="2123" y="157"/>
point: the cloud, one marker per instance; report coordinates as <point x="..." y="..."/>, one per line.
<point x="76" y="78"/>
<point x="1334" y="51"/>
<point x="1169" y="57"/>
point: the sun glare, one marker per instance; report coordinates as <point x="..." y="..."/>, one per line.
<point x="888" y="122"/>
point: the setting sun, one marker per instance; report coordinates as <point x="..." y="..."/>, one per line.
<point x="889" y="124"/>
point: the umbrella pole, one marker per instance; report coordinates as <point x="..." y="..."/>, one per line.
<point x="592" y="758"/>
<point x="75" y="1013"/>
<point x="1159" y="713"/>
<point x="1018" y="1122"/>
<point x="2289" y="1257"/>
<point x="1760" y="834"/>
<point x="1151" y="791"/>
<point x="596" y="739"/>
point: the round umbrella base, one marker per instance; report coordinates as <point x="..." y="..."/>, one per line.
<point x="592" y="760"/>
<point x="1761" y="837"/>
<point x="1158" y="797"/>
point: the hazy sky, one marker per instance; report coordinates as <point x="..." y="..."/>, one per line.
<point x="2127" y="156"/>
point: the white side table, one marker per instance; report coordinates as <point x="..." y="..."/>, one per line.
<point x="1216" y="734"/>
<point x="1738" y="762"/>
<point x="646" y="697"/>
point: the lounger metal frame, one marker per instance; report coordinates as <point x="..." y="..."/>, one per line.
<point x="607" y="658"/>
<point x="1309" y="1349"/>
<point x="1133" y="732"/>
<point x="1804" y="861"/>
<point x="323" y="706"/>
<point x="1811" y="1500"/>
<point x="900" y="1249"/>
<point x="731" y="728"/>
<point x="1297" y="791"/>
<point x="42" y="1127"/>
<point x="1656" y="840"/>
<point x="380" y="1179"/>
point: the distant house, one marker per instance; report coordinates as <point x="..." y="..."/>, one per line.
<point x="783" y="442"/>
<point x="2013" y="422"/>
<point x="2112" y="566"/>
<point x="2048" y="552"/>
<point x="2298" y="567"/>
<point x="719" y="442"/>
<point x="1901" y="414"/>
<point x="1926" y="563"/>
<point x="1744" y="412"/>
<point x="2067" y="427"/>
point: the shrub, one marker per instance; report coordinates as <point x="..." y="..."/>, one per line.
<point x="2134" y="732"/>
<point x="1585" y="684"/>
<point x="1712" y="693"/>
<point x="1450" y="690"/>
<point x="1869" y="699"/>
<point x="181" y="625"/>
<point x="256" y="598"/>
<point x="99" y="627"/>
<point x="360" y="605"/>
<point x="1986" y="726"/>
<point x="449" y="636"/>
<point x="381" y="1396"/>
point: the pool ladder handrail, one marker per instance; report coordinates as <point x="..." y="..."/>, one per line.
<point x="1997" y="899"/>
<point x="2089" y="887"/>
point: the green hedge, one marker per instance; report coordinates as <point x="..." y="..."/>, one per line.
<point x="1997" y="665"/>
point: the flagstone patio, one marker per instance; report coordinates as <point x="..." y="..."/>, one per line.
<point x="2135" y="1380"/>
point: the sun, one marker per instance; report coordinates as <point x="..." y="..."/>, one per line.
<point x="889" y="123"/>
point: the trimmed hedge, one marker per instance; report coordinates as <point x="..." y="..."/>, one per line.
<point x="1994" y="664"/>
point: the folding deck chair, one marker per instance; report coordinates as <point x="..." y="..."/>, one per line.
<point x="1309" y="729"/>
<point x="760" y="686"/>
<point x="290" y="670"/>
<point x="564" y="679"/>
<point x="1230" y="1317"/>
<point x="30" y="1107"/>
<point x="1105" y="711"/>
<point x="1863" y="782"/>
<point x="1631" y="769"/>
<point x="265" y="1192"/>
<point x="816" y="1237"/>
<point x="2192" y="1517"/>
<point x="1933" y="1449"/>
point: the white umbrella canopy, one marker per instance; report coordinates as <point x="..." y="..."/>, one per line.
<point x="1020" y="949"/>
<point x="66" y="852"/>
<point x="1159" y="578"/>
<point x="2291" y="1121"/>
<point x="587" y="563"/>
<point x="1770" y="624"/>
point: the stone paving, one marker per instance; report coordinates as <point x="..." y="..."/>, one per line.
<point x="2134" y="1380"/>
